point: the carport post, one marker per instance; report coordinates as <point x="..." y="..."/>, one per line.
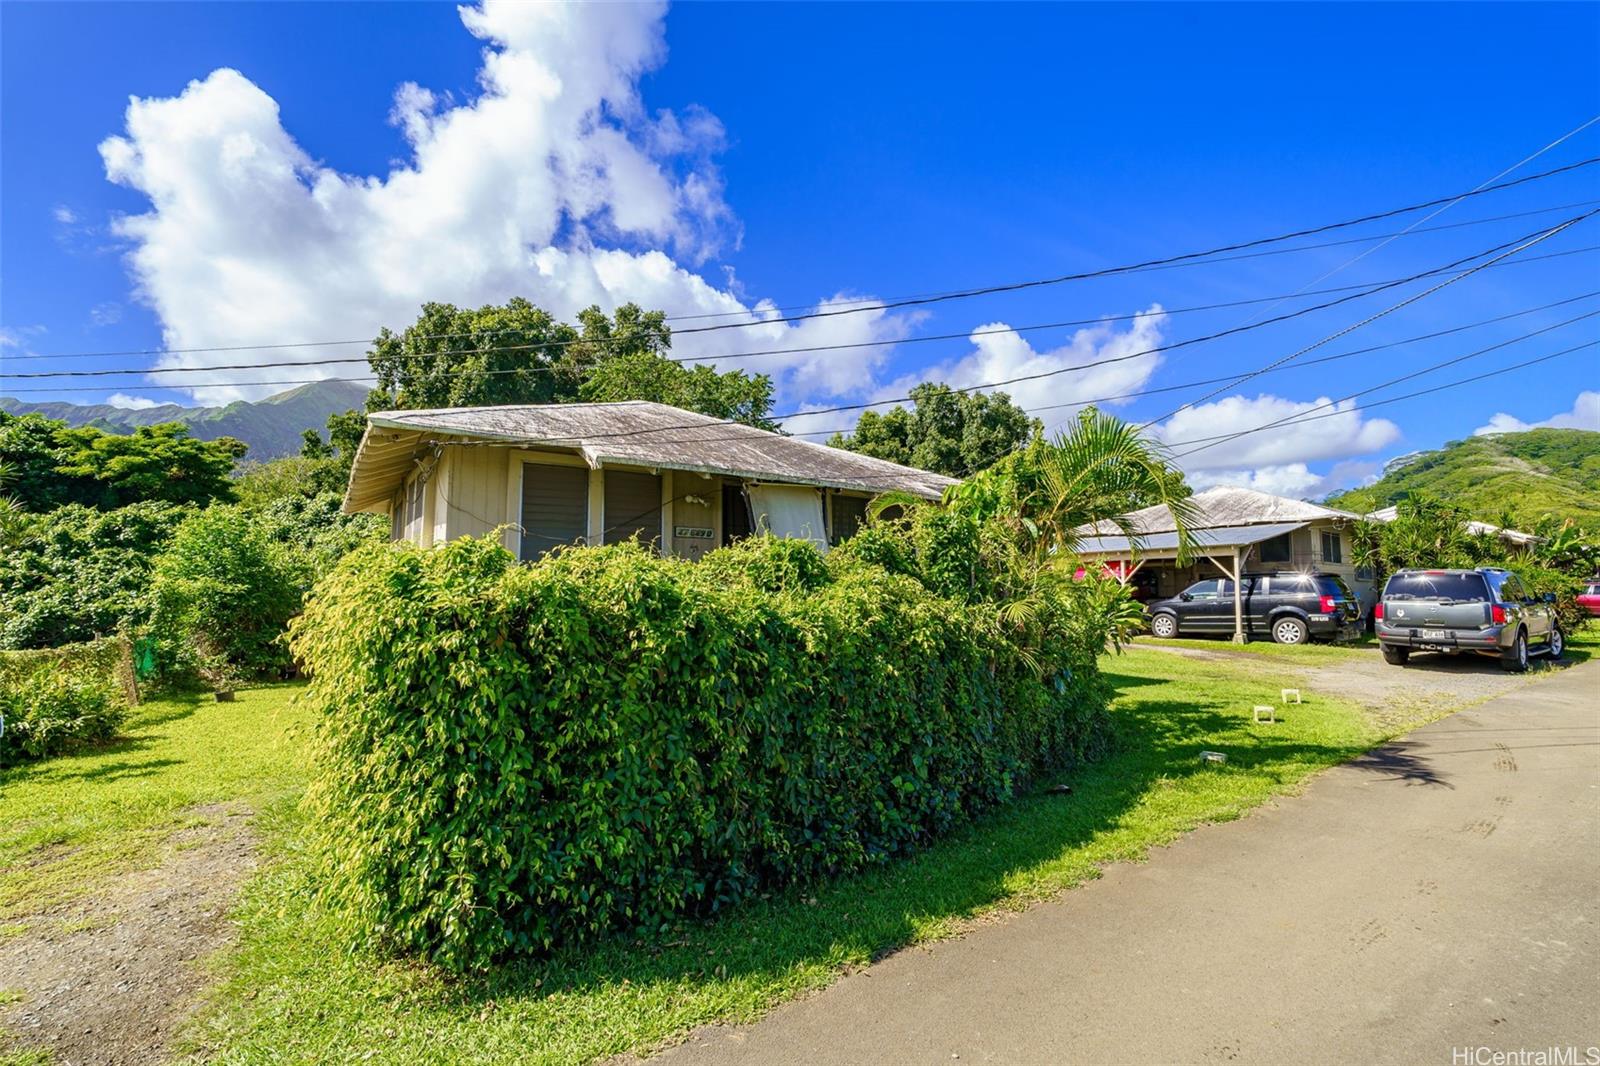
<point x="1238" y="597"/>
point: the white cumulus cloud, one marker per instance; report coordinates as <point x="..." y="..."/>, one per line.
<point x="553" y="182"/>
<point x="1585" y="414"/>
<point x="1276" y="460"/>
<point x="131" y="403"/>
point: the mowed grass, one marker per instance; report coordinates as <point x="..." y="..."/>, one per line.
<point x="1313" y="654"/>
<point x="72" y="823"/>
<point x="291" y="991"/>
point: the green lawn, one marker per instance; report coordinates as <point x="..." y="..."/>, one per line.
<point x="291" y="991"/>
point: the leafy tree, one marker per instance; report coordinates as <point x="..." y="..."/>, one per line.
<point x="55" y="464"/>
<point x="519" y="354"/>
<point x="950" y="432"/>
<point x="326" y="463"/>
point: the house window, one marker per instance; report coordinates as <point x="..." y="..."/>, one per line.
<point x="633" y="508"/>
<point x="555" y="507"/>
<point x="1277" y="550"/>
<point x="849" y="515"/>
<point x="1332" y="548"/>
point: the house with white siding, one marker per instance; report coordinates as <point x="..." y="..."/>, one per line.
<point x="600" y="473"/>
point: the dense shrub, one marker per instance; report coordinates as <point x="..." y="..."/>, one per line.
<point x="224" y="589"/>
<point x="77" y="573"/>
<point x="56" y="699"/>
<point x="515" y="757"/>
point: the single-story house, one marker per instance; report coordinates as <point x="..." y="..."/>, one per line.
<point x="600" y="473"/>
<point x="1514" y="539"/>
<point x="1235" y="530"/>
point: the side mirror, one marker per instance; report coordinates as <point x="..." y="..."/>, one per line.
<point x="1185" y="597"/>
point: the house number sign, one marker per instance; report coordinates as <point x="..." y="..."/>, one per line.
<point x="692" y="532"/>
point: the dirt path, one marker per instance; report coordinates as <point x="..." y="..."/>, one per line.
<point x="110" y="979"/>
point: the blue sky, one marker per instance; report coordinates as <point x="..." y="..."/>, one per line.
<point x="708" y="157"/>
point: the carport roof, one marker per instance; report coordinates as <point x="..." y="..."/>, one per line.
<point x="1159" y="543"/>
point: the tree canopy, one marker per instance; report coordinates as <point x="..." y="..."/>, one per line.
<point x="948" y="432"/>
<point x="49" y="464"/>
<point x="520" y="354"/>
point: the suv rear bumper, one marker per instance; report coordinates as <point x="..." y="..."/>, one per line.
<point x="1420" y="639"/>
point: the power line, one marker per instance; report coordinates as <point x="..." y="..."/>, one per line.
<point x="1221" y="438"/>
<point x="1528" y="243"/>
<point x="963" y="335"/>
<point x="962" y="294"/>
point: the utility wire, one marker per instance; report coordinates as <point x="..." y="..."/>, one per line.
<point x="963" y="294"/>
<point x="1525" y="244"/>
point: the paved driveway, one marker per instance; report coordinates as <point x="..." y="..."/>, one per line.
<point x="1441" y="893"/>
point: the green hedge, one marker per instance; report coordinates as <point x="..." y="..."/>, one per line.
<point x="518" y="757"/>
<point x="55" y="699"/>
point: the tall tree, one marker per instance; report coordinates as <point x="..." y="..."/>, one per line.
<point x="949" y="432"/>
<point x="53" y="464"/>
<point x="519" y="354"/>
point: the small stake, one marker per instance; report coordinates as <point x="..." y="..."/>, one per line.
<point x="1263" y="709"/>
<point x="1290" y="692"/>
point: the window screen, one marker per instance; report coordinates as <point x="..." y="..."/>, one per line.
<point x="849" y="515"/>
<point x="1276" y="550"/>
<point x="633" y="507"/>
<point x="1332" y="549"/>
<point x="555" y="507"/>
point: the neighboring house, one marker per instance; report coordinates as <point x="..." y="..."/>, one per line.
<point x="1234" y="529"/>
<point x="1511" y="538"/>
<point x="600" y="473"/>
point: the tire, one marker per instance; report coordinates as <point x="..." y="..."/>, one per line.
<point x="1517" y="661"/>
<point x="1289" y="630"/>
<point x="1395" y="656"/>
<point x="1164" y="626"/>
<point x="1558" y="644"/>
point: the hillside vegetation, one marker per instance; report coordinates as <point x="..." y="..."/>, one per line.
<point x="1529" y="475"/>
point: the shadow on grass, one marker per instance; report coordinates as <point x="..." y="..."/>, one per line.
<point x="997" y="856"/>
<point x="115" y="771"/>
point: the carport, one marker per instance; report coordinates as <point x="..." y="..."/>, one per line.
<point x="1226" y="547"/>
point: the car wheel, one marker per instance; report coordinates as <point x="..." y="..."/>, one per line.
<point x="1558" y="644"/>
<point x="1517" y="661"/>
<point x="1395" y="656"/>
<point x="1164" y="625"/>
<point x="1289" y="631"/>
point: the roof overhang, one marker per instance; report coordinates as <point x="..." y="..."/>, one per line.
<point x="1165" y="545"/>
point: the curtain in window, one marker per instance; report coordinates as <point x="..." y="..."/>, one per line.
<point x="790" y="511"/>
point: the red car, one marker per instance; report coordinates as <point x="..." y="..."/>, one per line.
<point x="1590" y="600"/>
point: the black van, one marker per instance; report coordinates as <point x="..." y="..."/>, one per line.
<point x="1289" y="607"/>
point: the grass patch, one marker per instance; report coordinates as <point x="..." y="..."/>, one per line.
<point x="1302" y="654"/>
<point x="75" y="821"/>
<point x="292" y="992"/>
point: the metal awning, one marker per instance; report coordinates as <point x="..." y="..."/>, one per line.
<point x="1156" y="544"/>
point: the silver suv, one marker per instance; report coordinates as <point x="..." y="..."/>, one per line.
<point x="1487" y="611"/>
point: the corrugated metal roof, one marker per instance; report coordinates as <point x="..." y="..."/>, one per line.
<point x="636" y="433"/>
<point x="1221" y="537"/>
<point x="1226" y="507"/>
<point x="1511" y="536"/>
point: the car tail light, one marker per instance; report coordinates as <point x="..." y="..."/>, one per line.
<point x="1498" y="613"/>
<point x="1377" y="612"/>
<point x="1328" y="605"/>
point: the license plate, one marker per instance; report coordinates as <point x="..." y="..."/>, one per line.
<point x="1433" y="634"/>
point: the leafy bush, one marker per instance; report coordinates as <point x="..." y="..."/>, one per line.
<point x="77" y="573"/>
<point x="515" y="757"/>
<point x="56" y="699"/>
<point x="224" y="588"/>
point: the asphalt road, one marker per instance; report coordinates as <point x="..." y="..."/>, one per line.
<point x="1441" y="893"/>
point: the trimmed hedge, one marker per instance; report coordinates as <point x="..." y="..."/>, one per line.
<point x="55" y="699"/>
<point x="513" y="757"/>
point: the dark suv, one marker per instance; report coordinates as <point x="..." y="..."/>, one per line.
<point x="1487" y="611"/>
<point x="1288" y="607"/>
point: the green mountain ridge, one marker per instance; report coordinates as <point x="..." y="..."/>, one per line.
<point x="271" y="427"/>
<point x="1528" y="474"/>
